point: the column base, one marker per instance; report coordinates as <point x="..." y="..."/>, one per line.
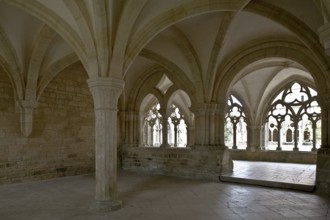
<point x="165" y="146"/>
<point x="251" y="149"/>
<point x="106" y="206"/>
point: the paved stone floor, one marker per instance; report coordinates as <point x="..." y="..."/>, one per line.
<point x="286" y="175"/>
<point x="152" y="197"/>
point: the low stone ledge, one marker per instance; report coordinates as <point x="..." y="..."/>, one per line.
<point x="197" y="163"/>
<point x="275" y="156"/>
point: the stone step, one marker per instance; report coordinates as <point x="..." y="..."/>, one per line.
<point x="260" y="182"/>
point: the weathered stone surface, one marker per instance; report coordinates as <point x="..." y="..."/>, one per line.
<point x="185" y="162"/>
<point x="323" y="171"/>
<point x="62" y="140"/>
<point x="106" y="92"/>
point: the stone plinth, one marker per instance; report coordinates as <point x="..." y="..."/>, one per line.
<point x="323" y="171"/>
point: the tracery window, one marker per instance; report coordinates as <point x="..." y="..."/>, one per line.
<point x="178" y="128"/>
<point x="294" y="120"/>
<point x="235" y="125"/>
<point x="153" y="127"/>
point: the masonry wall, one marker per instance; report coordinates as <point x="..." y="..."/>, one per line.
<point x="183" y="162"/>
<point x="62" y="140"/>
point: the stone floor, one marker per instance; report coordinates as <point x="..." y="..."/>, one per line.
<point x="152" y="197"/>
<point x="281" y="175"/>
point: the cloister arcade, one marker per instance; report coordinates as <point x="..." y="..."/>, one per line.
<point x="294" y="111"/>
<point x="180" y="87"/>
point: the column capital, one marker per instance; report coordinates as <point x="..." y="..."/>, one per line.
<point x="105" y="92"/>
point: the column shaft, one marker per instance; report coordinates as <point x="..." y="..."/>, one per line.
<point x="105" y="92"/>
<point x="165" y="129"/>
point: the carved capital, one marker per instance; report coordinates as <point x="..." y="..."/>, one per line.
<point x="105" y="92"/>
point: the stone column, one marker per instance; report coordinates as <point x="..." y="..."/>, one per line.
<point x="131" y="134"/>
<point x="209" y="123"/>
<point x="200" y="127"/>
<point x="151" y="138"/>
<point x="297" y="132"/>
<point x="323" y="154"/>
<point x="105" y="92"/>
<point x="190" y="135"/>
<point x="234" y="134"/>
<point x="220" y="121"/>
<point x="314" y="135"/>
<point x="253" y="137"/>
<point x="279" y="139"/>
<point x="165" y="128"/>
<point x="264" y="136"/>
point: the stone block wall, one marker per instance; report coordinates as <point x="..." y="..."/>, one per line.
<point x="323" y="171"/>
<point x="62" y="140"/>
<point x="183" y="162"/>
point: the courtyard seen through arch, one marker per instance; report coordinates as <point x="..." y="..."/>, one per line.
<point x="153" y="127"/>
<point x="235" y="125"/>
<point x="186" y="88"/>
<point x="293" y="122"/>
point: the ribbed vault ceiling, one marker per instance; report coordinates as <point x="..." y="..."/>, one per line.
<point x="193" y="40"/>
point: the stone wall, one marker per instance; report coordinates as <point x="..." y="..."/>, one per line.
<point x="275" y="156"/>
<point x="184" y="162"/>
<point x="323" y="171"/>
<point x="62" y="140"/>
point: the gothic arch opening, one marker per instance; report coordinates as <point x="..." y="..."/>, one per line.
<point x="296" y="114"/>
<point x="165" y="119"/>
<point x="279" y="99"/>
<point x="151" y="119"/>
<point x="235" y="125"/>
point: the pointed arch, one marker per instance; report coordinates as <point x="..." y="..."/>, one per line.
<point x="11" y="65"/>
<point x="294" y="107"/>
<point x="182" y="100"/>
<point x="266" y="106"/>
<point x="51" y="72"/>
<point x="301" y="30"/>
<point x="41" y="44"/>
<point x="216" y="51"/>
<point x="38" y="10"/>
<point x="131" y="11"/>
<point x="175" y="74"/>
<point x="18" y="89"/>
<point x="228" y="70"/>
